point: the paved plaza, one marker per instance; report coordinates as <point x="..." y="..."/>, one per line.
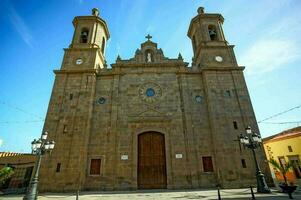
<point x="163" y="194"/>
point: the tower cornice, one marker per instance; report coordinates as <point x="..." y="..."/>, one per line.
<point x="203" y="16"/>
<point x="94" y="19"/>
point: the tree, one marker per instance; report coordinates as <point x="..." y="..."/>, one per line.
<point x="5" y="174"/>
<point x="282" y="168"/>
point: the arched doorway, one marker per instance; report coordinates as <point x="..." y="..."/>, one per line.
<point x="151" y="161"/>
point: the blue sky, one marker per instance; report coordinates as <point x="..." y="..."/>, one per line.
<point x="266" y="34"/>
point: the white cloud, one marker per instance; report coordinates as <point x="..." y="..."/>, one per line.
<point x="277" y="46"/>
<point x="1" y="142"/>
<point x="267" y="55"/>
<point x="20" y="26"/>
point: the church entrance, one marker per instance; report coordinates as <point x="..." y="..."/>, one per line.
<point x="151" y="161"/>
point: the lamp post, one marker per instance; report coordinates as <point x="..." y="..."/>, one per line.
<point x="39" y="147"/>
<point x="252" y="141"/>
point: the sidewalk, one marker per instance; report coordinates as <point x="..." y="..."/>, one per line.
<point x="163" y="195"/>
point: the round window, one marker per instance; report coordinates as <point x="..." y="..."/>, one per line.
<point x="101" y="100"/>
<point x="198" y="99"/>
<point x="150" y="92"/>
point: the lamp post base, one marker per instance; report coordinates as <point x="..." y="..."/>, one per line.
<point x="32" y="192"/>
<point x="262" y="186"/>
<point x="30" y="197"/>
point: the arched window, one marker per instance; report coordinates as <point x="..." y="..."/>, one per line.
<point x="103" y="45"/>
<point x="84" y="35"/>
<point x="149" y="56"/>
<point x="212" y="33"/>
<point x="194" y="43"/>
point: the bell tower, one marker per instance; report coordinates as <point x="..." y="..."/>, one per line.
<point x="228" y="101"/>
<point x="87" y="48"/>
<point x="70" y="109"/>
<point x="210" y="47"/>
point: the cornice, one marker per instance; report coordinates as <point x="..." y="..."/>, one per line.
<point x="123" y="70"/>
<point x="125" y="64"/>
<point x="95" y="19"/>
<point x="203" y="16"/>
<point x="76" y="71"/>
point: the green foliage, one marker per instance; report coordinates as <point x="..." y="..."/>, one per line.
<point x="5" y="173"/>
<point x="283" y="169"/>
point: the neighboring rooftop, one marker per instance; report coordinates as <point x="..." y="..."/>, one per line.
<point x="290" y="133"/>
<point x="11" y="154"/>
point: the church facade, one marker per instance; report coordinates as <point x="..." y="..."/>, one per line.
<point x="149" y="122"/>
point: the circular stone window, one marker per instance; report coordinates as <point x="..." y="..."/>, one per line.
<point x="198" y="99"/>
<point x="150" y="92"/>
<point x="101" y="100"/>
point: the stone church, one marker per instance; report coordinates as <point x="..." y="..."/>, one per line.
<point x="149" y="122"/>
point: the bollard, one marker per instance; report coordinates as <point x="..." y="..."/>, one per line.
<point x="252" y="193"/>
<point x="219" y="194"/>
<point x="77" y="195"/>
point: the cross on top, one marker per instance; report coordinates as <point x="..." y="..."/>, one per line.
<point x="148" y="37"/>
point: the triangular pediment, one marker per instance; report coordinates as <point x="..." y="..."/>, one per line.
<point x="151" y="112"/>
<point x="150" y="55"/>
<point x="150" y="115"/>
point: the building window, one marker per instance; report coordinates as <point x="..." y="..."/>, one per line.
<point x="101" y="100"/>
<point x="235" y="125"/>
<point x="243" y="163"/>
<point x="290" y="149"/>
<point x="84" y="35"/>
<point x="65" y="129"/>
<point x="150" y="92"/>
<point x="282" y="161"/>
<point x="212" y="32"/>
<point x="95" y="166"/>
<point x="296" y="165"/>
<point x="198" y="98"/>
<point x="207" y="164"/>
<point x="27" y="176"/>
<point x="71" y="96"/>
<point x="227" y="93"/>
<point x="103" y="45"/>
<point x="58" y="167"/>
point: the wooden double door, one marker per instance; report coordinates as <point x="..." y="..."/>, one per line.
<point x="151" y="161"/>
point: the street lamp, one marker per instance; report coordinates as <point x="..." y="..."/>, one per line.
<point x="252" y="141"/>
<point x="39" y="148"/>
